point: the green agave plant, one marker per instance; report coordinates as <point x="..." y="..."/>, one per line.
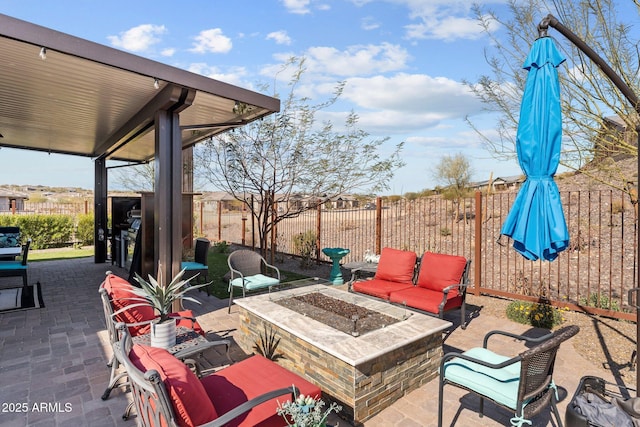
<point x="153" y="293"/>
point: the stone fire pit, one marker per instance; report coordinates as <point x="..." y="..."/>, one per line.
<point x="364" y="373"/>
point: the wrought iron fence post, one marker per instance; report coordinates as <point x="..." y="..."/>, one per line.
<point x="477" y="264"/>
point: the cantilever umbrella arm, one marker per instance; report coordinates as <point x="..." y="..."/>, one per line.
<point x="551" y="21"/>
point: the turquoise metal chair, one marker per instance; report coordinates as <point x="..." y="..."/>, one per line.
<point x="17" y="268"/>
<point x="199" y="267"/>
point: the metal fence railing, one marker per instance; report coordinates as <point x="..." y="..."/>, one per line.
<point x="594" y="274"/>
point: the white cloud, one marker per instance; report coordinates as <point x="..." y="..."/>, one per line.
<point x="434" y="97"/>
<point x="138" y="39"/>
<point x="369" y="23"/>
<point x="233" y="75"/>
<point x="300" y="7"/>
<point x="447" y="29"/>
<point x="280" y="37"/>
<point x="356" y="60"/>
<point x="170" y="51"/>
<point x="441" y="19"/>
<point x="212" y="41"/>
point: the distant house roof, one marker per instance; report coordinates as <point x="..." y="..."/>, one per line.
<point x="13" y="195"/>
<point x="500" y="180"/>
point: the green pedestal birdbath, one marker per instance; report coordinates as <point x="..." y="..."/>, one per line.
<point x="336" y="254"/>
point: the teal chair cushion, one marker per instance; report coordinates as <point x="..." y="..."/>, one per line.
<point x="12" y="265"/>
<point x="192" y="265"/>
<point x="500" y="385"/>
<point x="257" y="281"/>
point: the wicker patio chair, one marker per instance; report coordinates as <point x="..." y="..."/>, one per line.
<point x="523" y="384"/>
<point x="250" y="271"/>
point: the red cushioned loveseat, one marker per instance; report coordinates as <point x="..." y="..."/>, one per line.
<point x="434" y="283"/>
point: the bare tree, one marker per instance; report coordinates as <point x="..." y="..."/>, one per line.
<point x="268" y="163"/>
<point x="135" y="178"/>
<point x="454" y="172"/>
<point x="599" y="122"/>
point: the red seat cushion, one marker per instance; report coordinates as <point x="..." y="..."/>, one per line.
<point x="242" y="381"/>
<point x="379" y="288"/>
<point x="191" y="403"/>
<point x="437" y="271"/>
<point x="396" y="265"/>
<point x="119" y="291"/>
<point x="425" y="299"/>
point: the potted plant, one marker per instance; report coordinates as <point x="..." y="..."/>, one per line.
<point x="305" y="411"/>
<point x="161" y="298"/>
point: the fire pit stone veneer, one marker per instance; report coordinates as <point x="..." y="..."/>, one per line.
<point x="365" y="374"/>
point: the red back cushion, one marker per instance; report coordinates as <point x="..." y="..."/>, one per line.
<point x="118" y="290"/>
<point x="437" y="271"/>
<point x="396" y="265"/>
<point x="190" y="401"/>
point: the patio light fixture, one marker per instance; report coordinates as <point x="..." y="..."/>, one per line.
<point x="156" y="84"/>
<point x="43" y="53"/>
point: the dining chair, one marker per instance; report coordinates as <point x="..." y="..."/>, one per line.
<point x="199" y="267"/>
<point x="17" y="268"/>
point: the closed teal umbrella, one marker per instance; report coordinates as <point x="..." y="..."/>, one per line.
<point x="536" y="221"/>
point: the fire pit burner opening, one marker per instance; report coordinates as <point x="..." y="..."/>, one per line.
<point x="341" y="315"/>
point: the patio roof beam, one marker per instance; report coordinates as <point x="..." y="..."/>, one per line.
<point x="171" y="97"/>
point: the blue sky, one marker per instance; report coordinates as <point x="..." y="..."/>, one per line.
<point x="402" y="60"/>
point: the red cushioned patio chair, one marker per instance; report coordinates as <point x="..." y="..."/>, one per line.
<point x="114" y="292"/>
<point x="167" y="393"/>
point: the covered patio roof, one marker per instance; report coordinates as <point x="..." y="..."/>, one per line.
<point x="63" y="94"/>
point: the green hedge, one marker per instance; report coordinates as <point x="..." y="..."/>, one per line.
<point x="45" y="231"/>
<point x="84" y="230"/>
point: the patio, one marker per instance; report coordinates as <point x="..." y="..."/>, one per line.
<point x="55" y="358"/>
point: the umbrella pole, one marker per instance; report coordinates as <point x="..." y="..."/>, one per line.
<point x="634" y="356"/>
<point x="551" y="21"/>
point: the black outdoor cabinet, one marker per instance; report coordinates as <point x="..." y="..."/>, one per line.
<point x="121" y="211"/>
<point x="147" y="230"/>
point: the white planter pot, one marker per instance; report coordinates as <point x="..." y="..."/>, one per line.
<point x="163" y="334"/>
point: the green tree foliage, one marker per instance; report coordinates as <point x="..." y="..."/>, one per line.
<point x="267" y="163"/>
<point x="589" y="98"/>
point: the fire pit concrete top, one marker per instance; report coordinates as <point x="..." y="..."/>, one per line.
<point x="353" y="350"/>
